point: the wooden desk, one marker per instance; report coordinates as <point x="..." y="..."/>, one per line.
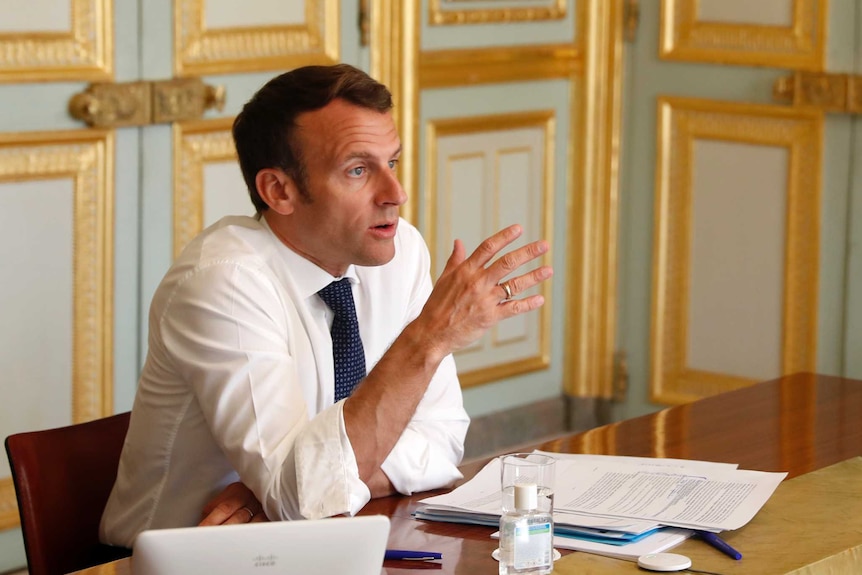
<point x="797" y="424"/>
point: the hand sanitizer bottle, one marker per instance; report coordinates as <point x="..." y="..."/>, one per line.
<point x="526" y="535"/>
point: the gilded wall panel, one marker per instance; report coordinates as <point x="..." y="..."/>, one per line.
<point x="799" y="45"/>
<point x="485" y="173"/>
<point x="682" y="124"/>
<point x="196" y="143"/>
<point x="202" y="50"/>
<point x="84" y="52"/>
<point x="85" y="159"/>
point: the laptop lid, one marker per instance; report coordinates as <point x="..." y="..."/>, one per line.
<point x="352" y="545"/>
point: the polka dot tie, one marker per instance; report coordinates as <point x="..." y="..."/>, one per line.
<point x="347" y="352"/>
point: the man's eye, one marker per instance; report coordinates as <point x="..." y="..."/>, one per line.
<point x="357" y="171"/>
<point x="393" y="164"/>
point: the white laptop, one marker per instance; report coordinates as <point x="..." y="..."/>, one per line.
<point x="332" y="546"/>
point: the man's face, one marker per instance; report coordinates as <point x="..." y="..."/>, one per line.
<point x="350" y="214"/>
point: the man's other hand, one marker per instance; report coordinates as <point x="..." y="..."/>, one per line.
<point x="470" y="296"/>
<point x="235" y="504"/>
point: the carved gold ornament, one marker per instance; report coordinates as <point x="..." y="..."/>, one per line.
<point x="110" y="105"/>
<point x="839" y="93"/>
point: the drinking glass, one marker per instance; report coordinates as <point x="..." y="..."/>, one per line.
<point x="535" y="468"/>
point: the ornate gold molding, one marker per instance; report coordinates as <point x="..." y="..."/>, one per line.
<point x="85" y="157"/>
<point x="469" y="13"/>
<point x="801" y="46"/>
<point x="201" y="51"/>
<point x="591" y="262"/>
<point x="83" y="53"/>
<point x="196" y="143"/>
<point x="394" y="54"/>
<point x="546" y="121"/>
<point x="681" y="122"/>
<point x="462" y="67"/>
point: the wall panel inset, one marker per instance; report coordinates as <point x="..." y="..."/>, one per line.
<point x="738" y="196"/>
<point x="735" y="261"/>
<point x="56" y="232"/>
<point x="485" y="173"/>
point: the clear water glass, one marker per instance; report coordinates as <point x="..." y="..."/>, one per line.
<point x="527" y="468"/>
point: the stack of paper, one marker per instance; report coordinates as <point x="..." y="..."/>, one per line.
<point x="622" y="506"/>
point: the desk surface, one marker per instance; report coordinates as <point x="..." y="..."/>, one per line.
<point x="796" y="424"/>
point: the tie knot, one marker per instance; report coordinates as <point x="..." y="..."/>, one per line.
<point x="339" y="297"/>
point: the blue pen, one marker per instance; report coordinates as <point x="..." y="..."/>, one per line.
<point x="719" y="544"/>
<point x="401" y="554"/>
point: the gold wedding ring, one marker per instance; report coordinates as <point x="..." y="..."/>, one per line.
<point x="507" y="289"/>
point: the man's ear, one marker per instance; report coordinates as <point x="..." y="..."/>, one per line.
<point x="277" y="189"/>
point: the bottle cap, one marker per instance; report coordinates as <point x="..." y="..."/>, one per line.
<point x="526" y="498"/>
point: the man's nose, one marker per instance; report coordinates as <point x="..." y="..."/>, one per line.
<point x="391" y="191"/>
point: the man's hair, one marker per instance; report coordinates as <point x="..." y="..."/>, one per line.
<point x="265" y="130"/>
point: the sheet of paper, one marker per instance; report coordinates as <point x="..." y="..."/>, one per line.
<point x="699" y="497"/>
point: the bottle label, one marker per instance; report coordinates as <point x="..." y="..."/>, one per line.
<point x="533" y="546"/>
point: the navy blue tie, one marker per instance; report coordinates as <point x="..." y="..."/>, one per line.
<point x="347" y="353"/>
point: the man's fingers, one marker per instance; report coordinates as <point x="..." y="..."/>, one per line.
<point x="492" y="245"/>
<point x="455" y="258"/>
<point x="522" y="283"/>
<point x="218" y="514"/>
<point x="235" y="504"/>
<point x="469" y="298"/>
<point x="518" y="306"/>
<point x="228" y="514"/>
<point x="511" y="261"/>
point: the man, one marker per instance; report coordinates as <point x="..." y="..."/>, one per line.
<point x="240" y="379"/>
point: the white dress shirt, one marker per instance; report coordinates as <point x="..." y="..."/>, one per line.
<point x="239" y="384"/>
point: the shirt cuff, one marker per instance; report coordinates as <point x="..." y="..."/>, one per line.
<point x="417" y="463"/>
<point x="327" y="475"/>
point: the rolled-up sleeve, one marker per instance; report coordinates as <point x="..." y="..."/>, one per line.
<point x="327" y="474"/>
<point x="429" y="450"/>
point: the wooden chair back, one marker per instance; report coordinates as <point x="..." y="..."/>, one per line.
<point x="62" y="480"/>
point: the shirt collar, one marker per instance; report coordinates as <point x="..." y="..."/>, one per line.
<point x="308" y="276"/>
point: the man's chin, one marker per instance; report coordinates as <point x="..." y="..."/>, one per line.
<point x="378" y="259"/>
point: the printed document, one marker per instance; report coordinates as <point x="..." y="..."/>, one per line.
<point x="630" y="494"/>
